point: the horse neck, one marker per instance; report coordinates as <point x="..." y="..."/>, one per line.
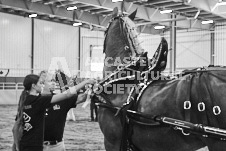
<point x="115" y="56"/>
<point x="119" y="98"/>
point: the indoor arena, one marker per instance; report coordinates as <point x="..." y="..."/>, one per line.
<point x="112" y="75"/>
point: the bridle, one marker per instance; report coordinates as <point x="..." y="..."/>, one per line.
<point x="131" y="114"/>
<point x="130" y="40"/>
<point x="129" y="34"/>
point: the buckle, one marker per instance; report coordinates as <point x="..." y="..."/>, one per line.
<point x="46" y="143"/>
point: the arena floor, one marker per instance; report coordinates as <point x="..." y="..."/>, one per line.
<point x="79" y="135"/>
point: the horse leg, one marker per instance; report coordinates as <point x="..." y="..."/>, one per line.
<point x="111" y="129"/>
<point x="111" y="147"/>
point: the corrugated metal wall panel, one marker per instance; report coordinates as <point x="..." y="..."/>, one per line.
<point x="55" y="40"/>
<point x="220" y="44"/>
<point x="88" y="39"/>
<point x="15" y="44"/>
<point x="193" y="49"/>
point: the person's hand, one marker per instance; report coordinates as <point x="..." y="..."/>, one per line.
<point x="91" y="81"/>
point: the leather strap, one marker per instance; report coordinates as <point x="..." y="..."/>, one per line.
<point x="187" y="103"/>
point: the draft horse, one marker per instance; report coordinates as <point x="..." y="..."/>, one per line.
<point x="182" y="114"/>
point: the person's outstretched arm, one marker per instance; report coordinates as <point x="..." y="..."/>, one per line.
<point x="71" y="91"/>
<point x="81" y="98"/>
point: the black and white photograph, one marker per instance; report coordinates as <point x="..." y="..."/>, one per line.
<point x="112" y="75"/>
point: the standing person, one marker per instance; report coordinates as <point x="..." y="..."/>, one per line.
<point x="32" y="109"/>
<point x="64" y="81"/>
<point x="56" y="117"/>
<point x="93" y="108"/>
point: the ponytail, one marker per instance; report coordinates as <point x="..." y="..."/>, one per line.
<point x="23" y="97"/>
<point x="19" y="124"/>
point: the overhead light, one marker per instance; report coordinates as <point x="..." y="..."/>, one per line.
<point x="167" y="11"/>
<point x="72" y="8"/>
<point x="32" y="15"/>
<point x="207" y="22"/>
<point x="159" y="27"/>
<point x="113" y="1"/>
<point x="51" y="16"/>
<point x="77" y="24"/>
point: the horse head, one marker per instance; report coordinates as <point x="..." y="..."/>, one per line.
<point x="121" y="44"/>
<point x="121" y="47"/>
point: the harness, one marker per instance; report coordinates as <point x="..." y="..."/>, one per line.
<point x="129" y="116"/>
<point x="128" y="113"/>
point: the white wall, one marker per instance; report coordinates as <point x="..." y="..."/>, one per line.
<point x="55" y="40"/>
<point x="15" y="43"/>
<point x="50" y="40"/>
<point x="192" y="47"/>
<point x="220" y="44"/>
<point x="88" y="38"/>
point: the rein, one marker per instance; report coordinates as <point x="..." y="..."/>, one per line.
<point x="183" y="126"/>
<point x="128" y="115"/>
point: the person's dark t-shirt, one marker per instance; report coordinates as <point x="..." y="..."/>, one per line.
<point x="33" y="116"/>
<point x="55" y="119"/>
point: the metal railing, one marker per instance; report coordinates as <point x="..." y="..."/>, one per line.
<point x="11" y="86"/>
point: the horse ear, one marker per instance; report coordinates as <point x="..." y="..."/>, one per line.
<point x="115" y="12"/>
<point x="132" y="15"/>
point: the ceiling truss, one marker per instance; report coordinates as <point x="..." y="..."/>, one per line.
<point x="97" y="13"/>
